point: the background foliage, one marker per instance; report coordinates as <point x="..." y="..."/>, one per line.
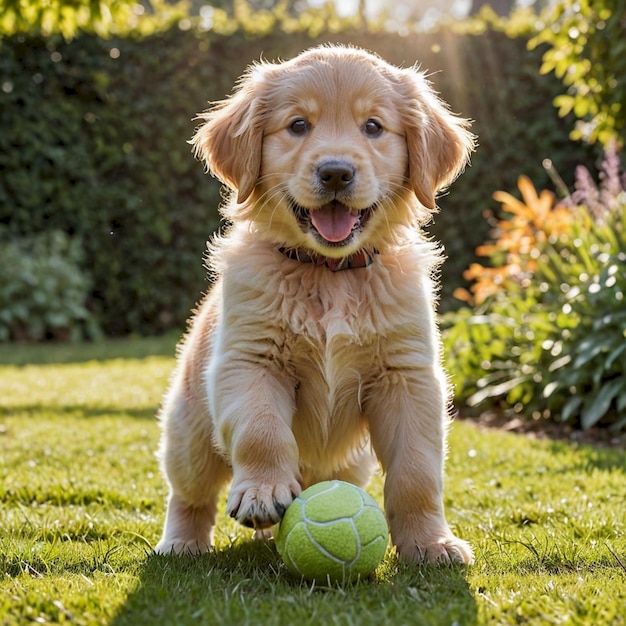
<point x="93" y="142"/>
<point x="101" y="17"/>
<point x="587" y="51"/>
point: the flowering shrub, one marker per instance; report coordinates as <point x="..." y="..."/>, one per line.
<point x="547" y="332"/>
<point x="514" y="254"/>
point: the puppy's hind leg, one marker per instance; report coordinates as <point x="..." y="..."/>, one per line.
<point x="196" y="475"/>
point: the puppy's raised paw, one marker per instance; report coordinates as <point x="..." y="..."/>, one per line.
<point x="260" y="505"/>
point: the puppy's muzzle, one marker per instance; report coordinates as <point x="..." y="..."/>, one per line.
<point x="336" y="222"/>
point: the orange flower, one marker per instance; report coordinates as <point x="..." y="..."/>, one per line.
<point x="518" y="240"/>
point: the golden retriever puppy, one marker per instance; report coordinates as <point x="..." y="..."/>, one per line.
<point x="316" y="354"/>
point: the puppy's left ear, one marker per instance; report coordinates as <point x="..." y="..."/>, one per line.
<point x="439" y="143"/>
<point x="231" y="139"/>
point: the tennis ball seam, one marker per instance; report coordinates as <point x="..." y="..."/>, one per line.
<point x="333" y="487"/>
<point x="323" y="550"/>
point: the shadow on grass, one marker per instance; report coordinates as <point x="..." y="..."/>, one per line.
<point x="247" y="583"/>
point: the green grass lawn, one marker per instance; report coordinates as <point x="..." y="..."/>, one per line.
<point x="82" y="502"/>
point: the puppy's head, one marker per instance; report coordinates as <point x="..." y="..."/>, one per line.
<point x="333" y="151"/>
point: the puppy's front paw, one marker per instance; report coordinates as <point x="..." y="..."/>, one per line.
<point x="260" y="505"/>
<point x="446" y="550"/>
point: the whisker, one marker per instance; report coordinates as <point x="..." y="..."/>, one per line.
<point x="267" y="199"/>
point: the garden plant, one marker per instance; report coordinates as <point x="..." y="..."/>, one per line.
<point x="546" y="334"/>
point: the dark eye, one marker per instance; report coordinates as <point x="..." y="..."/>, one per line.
<point x="372" y="128"/>
<point x="299" y="126"/>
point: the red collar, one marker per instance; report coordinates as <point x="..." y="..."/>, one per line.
<point x="362" y="258"/>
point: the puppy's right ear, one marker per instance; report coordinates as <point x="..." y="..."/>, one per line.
<point x="230" y="140"/>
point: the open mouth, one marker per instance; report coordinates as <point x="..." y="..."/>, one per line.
<point x="334" y="224"/>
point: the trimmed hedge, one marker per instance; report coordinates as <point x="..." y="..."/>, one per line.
<point x="93" y="142"/>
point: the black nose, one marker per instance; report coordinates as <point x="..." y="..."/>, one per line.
<point x="335" y="174"/>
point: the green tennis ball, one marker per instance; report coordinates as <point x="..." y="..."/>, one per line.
<point x="332" y="532"/>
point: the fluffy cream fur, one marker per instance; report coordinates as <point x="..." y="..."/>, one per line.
<point x="292" y="373"/>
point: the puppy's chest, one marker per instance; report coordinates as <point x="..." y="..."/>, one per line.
<point x="332" y="349"/>
<point x="341" y="358"/>
<point x="328" y="333"/>
<point x="322" y="319"/>
<point x="331" y="380"/>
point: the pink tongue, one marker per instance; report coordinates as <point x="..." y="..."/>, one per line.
<point x="334" y="221"/>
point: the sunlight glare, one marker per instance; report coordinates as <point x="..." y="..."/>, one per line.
<point x="402" y="11"/>
<point x="345" y="8"/>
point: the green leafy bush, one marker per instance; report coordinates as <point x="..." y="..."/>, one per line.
<point x="43" y="289"/>
<point x="550" y="339"/>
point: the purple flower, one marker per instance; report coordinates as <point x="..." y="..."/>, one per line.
<point x="609" y="194"/>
